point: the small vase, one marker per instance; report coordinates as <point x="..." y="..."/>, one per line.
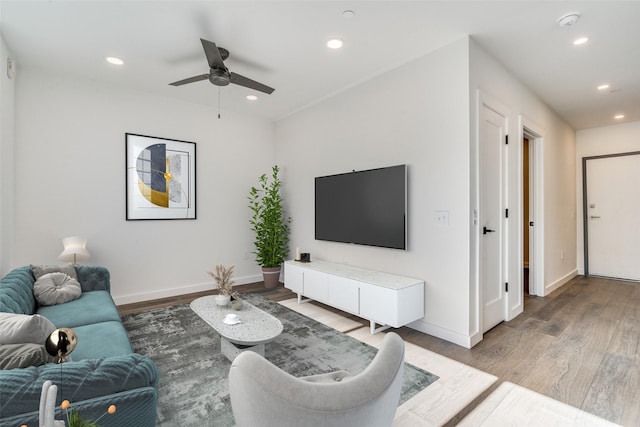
<point x="222" y="300"/>
<point x="236" y="304"/>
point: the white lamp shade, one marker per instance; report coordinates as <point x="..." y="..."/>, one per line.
<point x="74" y="248"/>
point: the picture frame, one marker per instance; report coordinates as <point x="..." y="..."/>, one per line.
<point x="160" y="178"/>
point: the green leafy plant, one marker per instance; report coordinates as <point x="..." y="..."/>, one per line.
<point x="269" y="223"/>
<point x="75" y="420"/>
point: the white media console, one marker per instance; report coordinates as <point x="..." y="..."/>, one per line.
<point x="381" y="298"/>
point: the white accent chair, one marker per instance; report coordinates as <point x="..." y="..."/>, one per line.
<point x="264" y="395"/>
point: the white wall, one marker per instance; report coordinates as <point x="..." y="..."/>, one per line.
<point x="415" y="115"/>
<point x="558" y="158"/>
<point x="70" y="180"/>
<point x="621" y="138"/>
<point x="7" y="107"/>
<point x="425" y="114"/>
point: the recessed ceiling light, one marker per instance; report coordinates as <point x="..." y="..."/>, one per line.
<point x="335" y="44"/>
<point x="604" y="86"/>
<point x="115" y="61"/>
<point x="252" y="97"/>
<point x="619" y="116"/>
<point x="580" y="41"/>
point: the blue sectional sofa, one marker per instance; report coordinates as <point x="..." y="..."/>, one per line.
<point x="103" y="371"/>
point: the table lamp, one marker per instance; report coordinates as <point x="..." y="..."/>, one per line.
<point x="74" y="248"/>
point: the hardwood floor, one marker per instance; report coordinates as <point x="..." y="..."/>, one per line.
<point x="579" y="345"/>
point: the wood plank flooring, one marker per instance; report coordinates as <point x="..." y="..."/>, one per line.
<point x="578" y="345"/>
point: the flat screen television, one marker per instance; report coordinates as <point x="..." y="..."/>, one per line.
<point x="366" y="207"/>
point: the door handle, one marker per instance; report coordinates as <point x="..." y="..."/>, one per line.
<point x="486" y="230"/>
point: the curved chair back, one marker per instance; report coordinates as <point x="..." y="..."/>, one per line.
<point x="264" y="395"/>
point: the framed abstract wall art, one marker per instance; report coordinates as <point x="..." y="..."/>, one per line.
<point x="161" y="178"/>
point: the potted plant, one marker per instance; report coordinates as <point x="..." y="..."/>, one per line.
<point x="223" y="277"/>
<point x="73" y="419"/>
<point x="270" y="225"/>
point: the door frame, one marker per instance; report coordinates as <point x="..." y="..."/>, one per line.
<point x="585" y="220"/>
<point x="535" y="134"/>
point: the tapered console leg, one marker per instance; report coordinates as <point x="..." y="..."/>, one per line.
<point x="375" y="330"/>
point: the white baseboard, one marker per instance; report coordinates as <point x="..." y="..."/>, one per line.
<point x="445" y="334"/>
<point x="559" y="283"/>
<point x="182" y="290"/>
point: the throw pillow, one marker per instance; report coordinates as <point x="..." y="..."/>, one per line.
<point x="56" y="288"/>
<point x="24" y="328"/>
<point x="23" y="355"/>
<point x="41" y="270"/>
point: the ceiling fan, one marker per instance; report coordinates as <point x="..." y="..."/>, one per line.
<point x="219" y="74"/>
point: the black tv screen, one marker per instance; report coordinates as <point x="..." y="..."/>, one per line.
<point x="365" y="207"/>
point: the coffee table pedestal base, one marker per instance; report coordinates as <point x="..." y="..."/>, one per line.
<point x="231" y="350"/>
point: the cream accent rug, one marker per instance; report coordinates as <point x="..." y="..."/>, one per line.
<point x="458" y="386"/>
<point x="511" y="404"/>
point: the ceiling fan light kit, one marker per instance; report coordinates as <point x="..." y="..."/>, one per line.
<point x="219" y="77"/>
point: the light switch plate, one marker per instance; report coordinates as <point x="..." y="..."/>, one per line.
<point x="442" y="217"/>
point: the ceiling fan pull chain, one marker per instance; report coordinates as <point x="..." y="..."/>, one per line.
<point x="219" y="101"/>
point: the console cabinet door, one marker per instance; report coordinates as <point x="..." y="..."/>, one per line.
<point x="394" y="307"/>
<point x="379" y="304"/>
<point x="293" y="278"/>
<point x="315" y="285"/>
<point x="344" y="294"/>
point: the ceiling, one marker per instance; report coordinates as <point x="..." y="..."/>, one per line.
<point x="282" y="44"/>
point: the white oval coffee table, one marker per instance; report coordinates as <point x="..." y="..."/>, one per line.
<point x="256" y="327"/>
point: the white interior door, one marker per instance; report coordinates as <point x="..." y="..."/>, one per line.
<point x="612" y="204"/>
<point x="493" y="129"/>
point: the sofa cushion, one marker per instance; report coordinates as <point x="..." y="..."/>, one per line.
<point x="16" y="292"/>
<point x="56" y="288"/>
<point x="91" y="307"/>
<point x="24" y="328"/>
<point x="93" y="278"/>
<point x="104" y="339"/>
<point x="41" y="270"/>
<point x="14" y="356"/>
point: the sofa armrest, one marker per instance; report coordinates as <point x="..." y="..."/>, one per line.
<point x="16" y="291"/>
<point x="77" y="381"/>
<point x="93" y="278"/>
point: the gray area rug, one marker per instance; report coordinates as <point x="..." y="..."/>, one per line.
<point x="194" y="389"/>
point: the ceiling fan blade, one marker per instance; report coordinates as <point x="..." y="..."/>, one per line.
<point x="214" y="59"/>
<point x="190" y="80"/>
<point x="251" y="84"/>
